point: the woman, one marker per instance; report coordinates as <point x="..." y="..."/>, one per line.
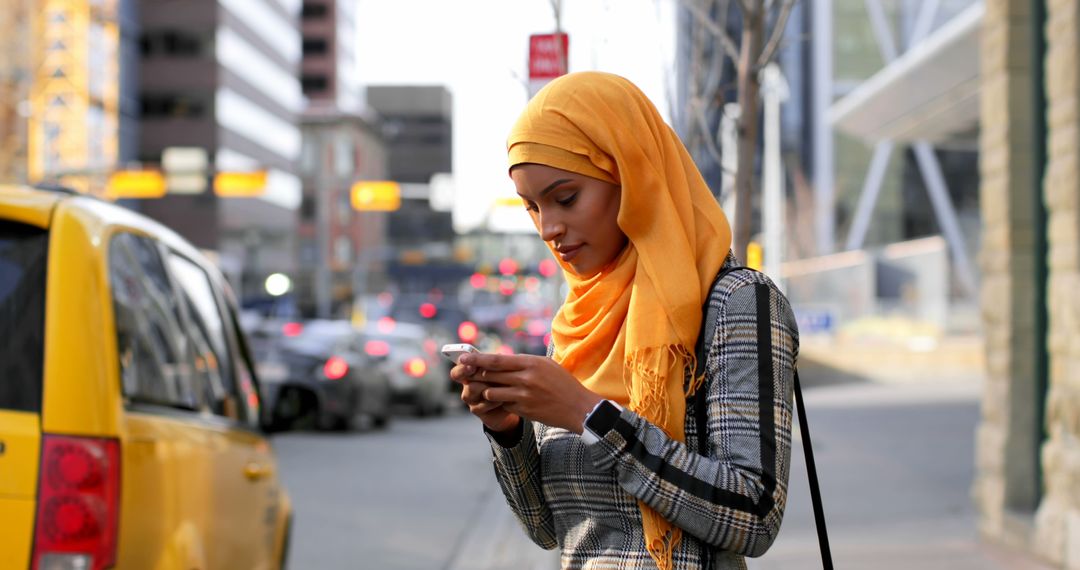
<point x="595" y="447"/>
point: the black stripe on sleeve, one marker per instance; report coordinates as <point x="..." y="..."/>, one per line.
<point x="681" y="479"/>
<point x="766" y="396"/>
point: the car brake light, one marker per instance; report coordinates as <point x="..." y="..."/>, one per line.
<point x="377" y="348"/>
<point x="335" y="368"/>
<point x="467" y="331"/>
<point x="386" y="325"/>
<point x="78" y="506"/>
<point x="292" y="329"/>
<point x="416" y="367"/>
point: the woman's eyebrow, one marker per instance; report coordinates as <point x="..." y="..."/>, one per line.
<point x="554" y="185"/>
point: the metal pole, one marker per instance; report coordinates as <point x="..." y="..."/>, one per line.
<point x="774" y="91"/>
<point x="868" y="198"/>
<point x="946" y="215"/>
<point x="322" y="217"/>
<point x="824" y="194"/>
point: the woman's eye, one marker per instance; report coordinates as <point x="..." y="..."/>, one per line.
<point x="568" y="200"/>
<point x="530" y="207"/>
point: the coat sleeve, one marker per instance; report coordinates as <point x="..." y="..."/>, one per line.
<point x="517" y="469"/>
<point x="733" y="499"/>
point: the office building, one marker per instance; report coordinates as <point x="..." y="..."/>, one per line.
<point x="223" y="76"/>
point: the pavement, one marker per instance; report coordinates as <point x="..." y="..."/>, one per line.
<point x="895" y="456"/>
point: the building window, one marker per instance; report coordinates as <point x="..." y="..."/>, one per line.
<point x="313" y="11"/>
<point x="313" y="83"/>
<point x="314" y="46"/>
<point x="307" y="208"/>
<point x="174" y="43"/>
<point x="172" y="105"/>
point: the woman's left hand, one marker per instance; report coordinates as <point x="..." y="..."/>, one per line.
<point x="534" y="387"/>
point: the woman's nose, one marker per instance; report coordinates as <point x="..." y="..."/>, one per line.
<point x="551" y="227"/>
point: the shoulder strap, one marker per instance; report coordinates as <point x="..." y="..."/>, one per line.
<point x="811" y="473"/>
<point x="708" y="331"/>
<point x="708" y="322"/>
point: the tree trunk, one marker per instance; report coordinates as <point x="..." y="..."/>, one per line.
<point x="749" y="88"/>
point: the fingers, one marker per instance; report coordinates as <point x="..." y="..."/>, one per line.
<point x="462" y="374"/>
<point x="473" y="396"/>
<point x="496" y="362"/>
<point x="501" y="395"/>
<point x="473" y="392"/>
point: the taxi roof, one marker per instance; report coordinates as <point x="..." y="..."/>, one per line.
<point x="36" y="205"/>
<point x="27" y="205"/>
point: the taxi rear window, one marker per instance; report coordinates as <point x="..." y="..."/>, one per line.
<point x="22" y="315"/>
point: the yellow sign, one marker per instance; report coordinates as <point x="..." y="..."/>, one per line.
<point x="753" y="255"/>
<point x="378" y="196"/>
<point x="240" y="184"/>
<point x="135" y="184"/>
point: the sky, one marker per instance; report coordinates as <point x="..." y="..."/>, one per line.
<point x="478" y="49"/>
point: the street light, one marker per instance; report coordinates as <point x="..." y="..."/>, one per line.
<point x="277" y="284"/>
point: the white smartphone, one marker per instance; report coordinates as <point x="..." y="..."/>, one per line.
<point x="454" y="351"/>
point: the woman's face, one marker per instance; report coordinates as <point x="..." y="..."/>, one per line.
<point x="576" y="213"/>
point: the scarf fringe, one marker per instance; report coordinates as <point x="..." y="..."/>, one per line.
<point x="645" y="372"/>
<point x="662" y="548"/>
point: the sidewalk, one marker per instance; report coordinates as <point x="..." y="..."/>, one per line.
<point x="895" y="459"/>
<point x="896" y="465"/>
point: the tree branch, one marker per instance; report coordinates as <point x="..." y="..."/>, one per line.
<point x="703" y="17"/>
<point x="770" y="48"/>
<point x="703" y="124"/>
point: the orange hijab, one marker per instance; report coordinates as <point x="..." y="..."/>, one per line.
<point x="628" y="333"/>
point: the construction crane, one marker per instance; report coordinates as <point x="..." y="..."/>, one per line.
<point x="73" y="125"/>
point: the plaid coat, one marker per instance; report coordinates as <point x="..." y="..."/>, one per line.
<point x="583" y="497"/>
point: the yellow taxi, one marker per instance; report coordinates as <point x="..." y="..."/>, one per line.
<point x="130" y="422"/>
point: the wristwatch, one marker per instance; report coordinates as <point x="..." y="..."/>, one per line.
<point x="600" y="421"/>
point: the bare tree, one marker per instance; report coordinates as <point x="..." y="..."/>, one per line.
<point x="714" y="53"/>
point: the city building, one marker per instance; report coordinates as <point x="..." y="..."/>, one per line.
<point x="340" y="251"/>
<point x="222" y="77"/>
<point x="417" y="124"/>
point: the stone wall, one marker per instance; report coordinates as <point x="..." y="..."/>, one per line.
<point x="1058" y="519"/>
<point x="1012" y="459"/>
<point x="1006" y="478"/>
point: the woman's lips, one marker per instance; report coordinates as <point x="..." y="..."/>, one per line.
<point x="568" y="253"/>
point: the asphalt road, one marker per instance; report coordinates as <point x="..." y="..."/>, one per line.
<point x="896" y="464"/>
<point x="400" y="498"/>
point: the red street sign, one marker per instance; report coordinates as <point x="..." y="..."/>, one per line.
<point x="547" y="56"/>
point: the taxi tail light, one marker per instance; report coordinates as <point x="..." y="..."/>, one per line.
<point x="416" y="367"/>
<point x="78" y="506"/>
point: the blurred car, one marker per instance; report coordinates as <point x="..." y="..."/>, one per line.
<point x="132" y="433"/>
<point x="410" y="357"/>
<point x="323" y="372"/>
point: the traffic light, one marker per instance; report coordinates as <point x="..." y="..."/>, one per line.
<point x="135" y="184"/>
<point x="376" y="196"/>
<point x="240" y="184"/>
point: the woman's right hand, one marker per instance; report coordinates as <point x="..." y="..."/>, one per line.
<point x="492" y="414"/>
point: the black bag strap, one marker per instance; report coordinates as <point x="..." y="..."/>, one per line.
<point x="708" y="331"/>
<point x="811" y="474"/>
